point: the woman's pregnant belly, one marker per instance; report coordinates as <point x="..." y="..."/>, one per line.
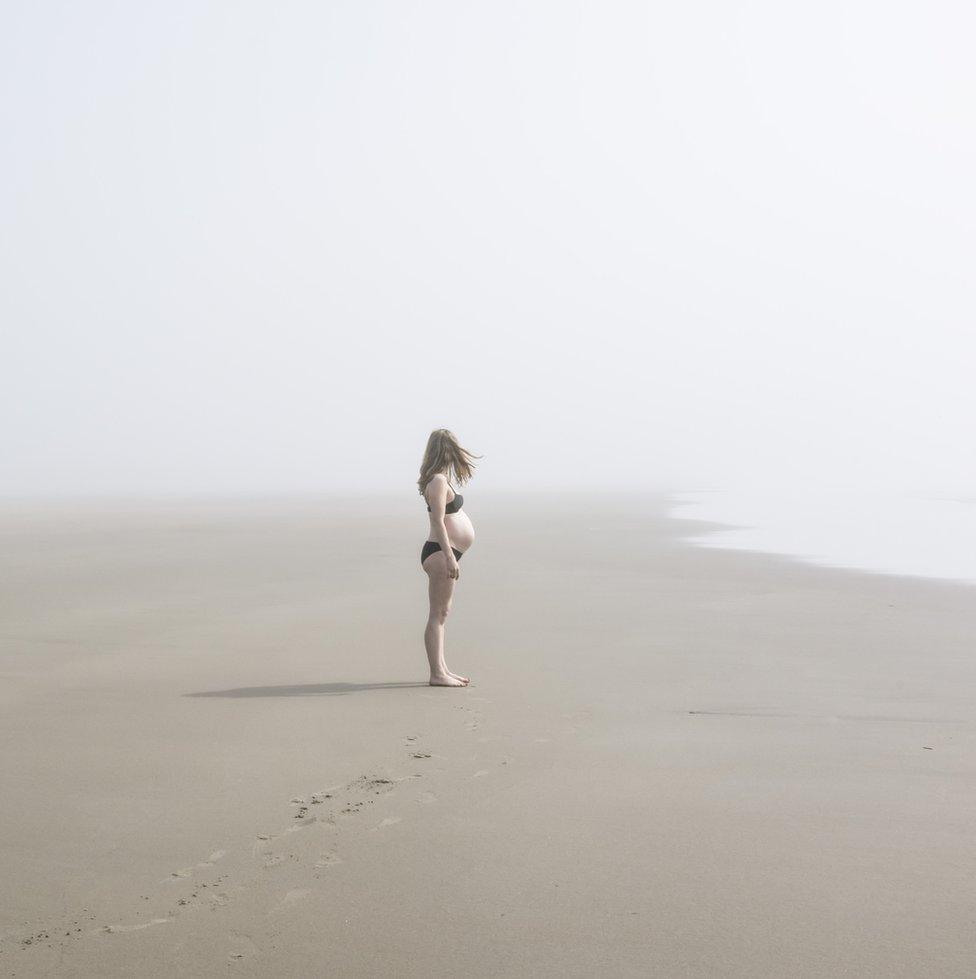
<point x="460" y="530"/>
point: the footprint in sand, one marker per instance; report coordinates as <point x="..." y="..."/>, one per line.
<point x="243" y="946"/>
<point x="480" y="772"/>
<point x="213" y="858"/>
<point x="292" y="897"/>
<point x="117" y="929"/>
<point x="273" y="860"/>
<point x="389" y="821"/>
<point x="366" y="783"/>
<point x="327" y="860"/>
<point x="298" y="827"/>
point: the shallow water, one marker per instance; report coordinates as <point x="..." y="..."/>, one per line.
<point x="930" y="536"/>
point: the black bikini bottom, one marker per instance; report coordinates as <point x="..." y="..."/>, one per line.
<point x="431" y="545"/>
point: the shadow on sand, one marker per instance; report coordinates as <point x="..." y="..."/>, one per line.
<point x="304" y="690"/>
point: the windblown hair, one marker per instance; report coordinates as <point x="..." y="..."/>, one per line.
<point x="444" y="455"/>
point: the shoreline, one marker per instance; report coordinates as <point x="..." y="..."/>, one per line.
<point x="883" y="533"/>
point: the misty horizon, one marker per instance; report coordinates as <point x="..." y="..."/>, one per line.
<point x="622" y="246"/>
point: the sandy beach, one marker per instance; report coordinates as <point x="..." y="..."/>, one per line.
<point x="220" y="755"/>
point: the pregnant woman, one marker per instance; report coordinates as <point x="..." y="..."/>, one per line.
<point x="451" y="534"/>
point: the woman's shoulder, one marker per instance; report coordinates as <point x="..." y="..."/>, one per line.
<point x="435" y="480"/>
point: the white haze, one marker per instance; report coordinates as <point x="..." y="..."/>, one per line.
<point x="268" y="246"/>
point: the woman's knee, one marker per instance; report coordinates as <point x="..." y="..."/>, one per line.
<point x="440" y="613"/>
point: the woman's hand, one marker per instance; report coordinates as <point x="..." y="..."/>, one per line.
<point x="453" y="570"/>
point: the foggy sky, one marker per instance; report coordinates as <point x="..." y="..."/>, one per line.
<point x="269" y="246"/>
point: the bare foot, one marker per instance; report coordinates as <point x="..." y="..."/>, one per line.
<point x="457" y="676"/>
<point x="447" y="680"/>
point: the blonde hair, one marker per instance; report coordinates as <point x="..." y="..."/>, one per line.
<point x="444" y="454"/>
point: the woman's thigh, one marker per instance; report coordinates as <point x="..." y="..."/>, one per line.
<point x="440" y="585"/>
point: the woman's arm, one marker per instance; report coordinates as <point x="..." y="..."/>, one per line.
<point x="438" y="505"/>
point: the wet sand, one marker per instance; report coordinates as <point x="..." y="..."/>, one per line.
<point x="220" y="755"/>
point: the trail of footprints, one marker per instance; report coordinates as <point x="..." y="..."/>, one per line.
<point x="327" y="807"/>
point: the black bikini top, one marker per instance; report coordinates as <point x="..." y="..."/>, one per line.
<point x="453" y="506"/>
